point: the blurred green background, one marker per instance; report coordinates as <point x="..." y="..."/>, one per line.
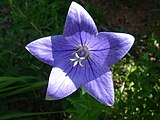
<point x="23" y="78"/>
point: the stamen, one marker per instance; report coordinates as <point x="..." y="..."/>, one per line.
<point x="77" y="60"/>
<point x="80" y="55"/>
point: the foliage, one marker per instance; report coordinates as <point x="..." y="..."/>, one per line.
<point x="23" y="78"/>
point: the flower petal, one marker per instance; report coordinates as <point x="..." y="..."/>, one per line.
<point x="120" y="44"/>
<point x="99" y="48"/>
<point x="42" y="49"/>
<point x="45" y="49"/>
<point x="61" y="44"/>
<point x="102" y="89"/>
<point x="78" y="20"/>
<point x="60" y="85"/>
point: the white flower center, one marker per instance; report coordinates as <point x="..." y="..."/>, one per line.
<point x="81" y="54"/>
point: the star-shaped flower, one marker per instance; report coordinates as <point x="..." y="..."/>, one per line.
<point x="81" y="57"/>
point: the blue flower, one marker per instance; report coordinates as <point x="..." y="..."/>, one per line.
<point x="81" y="57"/>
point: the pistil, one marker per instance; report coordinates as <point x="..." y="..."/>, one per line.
<point x="81" y="55"/>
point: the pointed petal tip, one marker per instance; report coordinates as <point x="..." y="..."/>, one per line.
<point x="42" y="49"/>
<point x="48" y="97"/>
<point x="102" y="89"/>
<point x="125" y="36"/>
<point x="78" y="20"/>
<point x="74" y="4"/>
<point x="130" y="38"/>
<point x="27" y="47"/>
<point x="120" y="44"/>
<point x="110" y="102"/>
<point x="60" y="85"/>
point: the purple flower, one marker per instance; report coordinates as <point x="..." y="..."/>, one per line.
<point x="81" y="57"/>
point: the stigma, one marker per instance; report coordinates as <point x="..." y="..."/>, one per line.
<point x="81" y="54"/>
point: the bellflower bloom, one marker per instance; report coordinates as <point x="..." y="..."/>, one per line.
<point x="81" y="57"/>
